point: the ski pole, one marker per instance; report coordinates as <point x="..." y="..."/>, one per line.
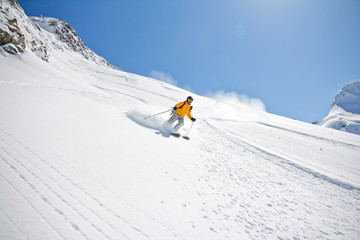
<point x="158" y="114"/>
<point x="186" y="136"/>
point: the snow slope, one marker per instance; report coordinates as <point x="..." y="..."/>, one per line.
<point x="345" y="111"/>
<point x="78" y="161"/>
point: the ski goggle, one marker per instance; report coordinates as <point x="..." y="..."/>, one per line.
<point x="189" y="100"/>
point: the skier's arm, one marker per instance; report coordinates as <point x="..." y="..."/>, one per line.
<point x="189" y="113"/>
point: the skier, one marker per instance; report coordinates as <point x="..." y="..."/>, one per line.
<point x="179" y="111"/>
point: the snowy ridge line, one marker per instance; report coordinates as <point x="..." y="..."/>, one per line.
<point x="103" y="98"/>
<point x="110" y="91"/>
<point x="136" y="88"/>
<point x="311" y="136"/>
<point x="98" y="202"/>
<point x="67" y="192"/>
<point x="22" y="195"/>
<point x="66" y="90"/>
<point x="41" y="196"/>
<point x="290" y="161"/>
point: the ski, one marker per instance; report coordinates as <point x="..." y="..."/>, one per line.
<point x="175" y="134"/>
<point x="178" y="135"/>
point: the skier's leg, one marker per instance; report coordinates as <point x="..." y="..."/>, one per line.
<point x="168" y="124"/>
<point x="171" y="120"/>
<point x="180" y="123"/>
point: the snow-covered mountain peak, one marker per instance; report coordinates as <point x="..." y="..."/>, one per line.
<point x="345" y="111"/>
<point x="348" y="97"/>
<point x="41" y="35"/>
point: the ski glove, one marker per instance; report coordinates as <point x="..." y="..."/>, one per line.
<point x="193" y="119"/>
<point x="174" y="108"/>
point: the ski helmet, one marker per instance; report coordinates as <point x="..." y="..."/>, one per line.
<point x="189" y="98"/>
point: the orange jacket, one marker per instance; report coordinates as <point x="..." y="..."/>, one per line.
<point x="183" y="108"/>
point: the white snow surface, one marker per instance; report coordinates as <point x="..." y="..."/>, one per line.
<point x="345" y="111"/>
<point x="79" y="161"/>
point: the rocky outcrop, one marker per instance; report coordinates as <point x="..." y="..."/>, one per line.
<point x="18" y="33"/>
<point x="11" y="37"/>
<point x="67" y="38"/>
<point x="41" y="35"/>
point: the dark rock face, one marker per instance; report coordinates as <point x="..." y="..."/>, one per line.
<point x="11" y="37"/>
<point x="18" y="33"/>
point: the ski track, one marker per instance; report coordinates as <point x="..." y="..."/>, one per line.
<point x="55" y="195"/>
<point x="117" y="92"/>
<point x="246" y="183"/>
<point x="284" y="159"/>
<point x="137" y="88"/>
<point x="103" y="98"/>
<point x="136" y="209"/>
<point x="18" y="229"/>
<point x="130" y="78"/>
<point x="108" y="97"/>
<point x="28" y="177"/>
<point x="22" y="195"/>
<point x="311" y="136"/>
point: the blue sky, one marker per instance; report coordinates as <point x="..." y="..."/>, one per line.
<point x="292" y="54"/>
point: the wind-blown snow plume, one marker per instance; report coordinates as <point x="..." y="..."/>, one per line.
<point x="163" y="76"/>
<point x="238" y="100"/>
<point x="146" y="120"/>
